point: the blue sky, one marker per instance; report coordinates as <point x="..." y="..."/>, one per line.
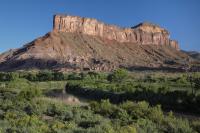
<point x="21" y="21"/>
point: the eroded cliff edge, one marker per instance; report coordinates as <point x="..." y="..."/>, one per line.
<point x="79" y="44"/>
<point x="143" y="33"/>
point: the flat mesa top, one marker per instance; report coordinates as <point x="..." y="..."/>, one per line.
<point x="144" y="33"/>
<point x="144" y="26"/>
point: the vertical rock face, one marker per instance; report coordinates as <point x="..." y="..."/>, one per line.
<point x="144" y="33"/>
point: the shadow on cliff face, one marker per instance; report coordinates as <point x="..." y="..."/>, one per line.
<point x="40" y="64"/>
<point x="30" y="64"/>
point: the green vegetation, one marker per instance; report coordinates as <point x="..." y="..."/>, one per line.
<point x="118" y="75"/>
<point x="173" y="92"/>
<point x="194" y="82"/>
<point x="118" y="102"/>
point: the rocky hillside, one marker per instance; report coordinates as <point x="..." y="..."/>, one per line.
<point x="144" y="33"/>
<point x="195" y="55"/>
<point x="77" y="44"/>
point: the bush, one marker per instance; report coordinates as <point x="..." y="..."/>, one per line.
<point x="118" y="75"/>
<point x="3" y="76"/>
<point x="45" y="76"/>
<point x="196" y="125"/>
<point x="58" y="76"/>
<point x="147" y="126"/>
<point x="22" y="123"/>
<point x="74" y="76"/>
<point x="8" y="76"/>
<point x="32" y="77"/>
<point x="29" y="94"/>
<point x="174" y="125"/>
<point x="128" y="129"/>
<point x="104" y="108"/>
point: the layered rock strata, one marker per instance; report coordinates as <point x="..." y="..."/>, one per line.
<point x="84" y="44"/>
<point x="144" y="33"/>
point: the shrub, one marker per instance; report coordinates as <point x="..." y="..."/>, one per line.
<point x="196" y="125"/>
<point x="45" y="76"/>
<point x="32" y="77"/>
<point x="194" y="82"/>
<point x="147" y="126"/>
<point x="118" y="75"/>
<point x="156" y="114"/>
<point x="22" y="123"/>
<point x="174" y="125"/>
<point x="128" y="129"/>
<point x="58" y="76"/>
<point x="4" y="76"/>
<point x="104" y="108"/>
<point x="74" y="76"/>
<point x="163" y="89"/>
<point x="29" y="94"/>
<point x="9" y="76"/>
<point x="140" y="110"/>
<point x="57" y="126"/>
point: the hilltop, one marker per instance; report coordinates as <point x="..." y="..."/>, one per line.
<point x="77" y="44"/>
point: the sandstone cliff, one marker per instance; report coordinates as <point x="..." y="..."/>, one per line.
<point x="144" y="33"/>
<point x="78" y="44"/>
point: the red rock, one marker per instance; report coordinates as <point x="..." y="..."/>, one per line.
<point x="144" y="33"/>
<point x="78" y="44"/>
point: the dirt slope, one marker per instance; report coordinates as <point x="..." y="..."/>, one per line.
<point x="75" y="52"/>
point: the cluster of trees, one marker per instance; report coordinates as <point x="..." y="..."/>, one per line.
<point x="24" y="106"/>
<point x="22" y="114"/>
<point x="173" y="100"/>
<point x="156" y="90"/>
<point x="29" y="111"/>
<point x="51" y="76"/>
<point x="142" y="118"/>
<point x="45" y="76"/>
<point x="34" y="76"/>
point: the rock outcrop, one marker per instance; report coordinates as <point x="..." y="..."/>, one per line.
<point x="144" y="33"/>
<point x="78" y="44"/>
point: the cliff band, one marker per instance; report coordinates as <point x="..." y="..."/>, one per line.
<point x="144" y="33"/>
<point x="78" y="44"/>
